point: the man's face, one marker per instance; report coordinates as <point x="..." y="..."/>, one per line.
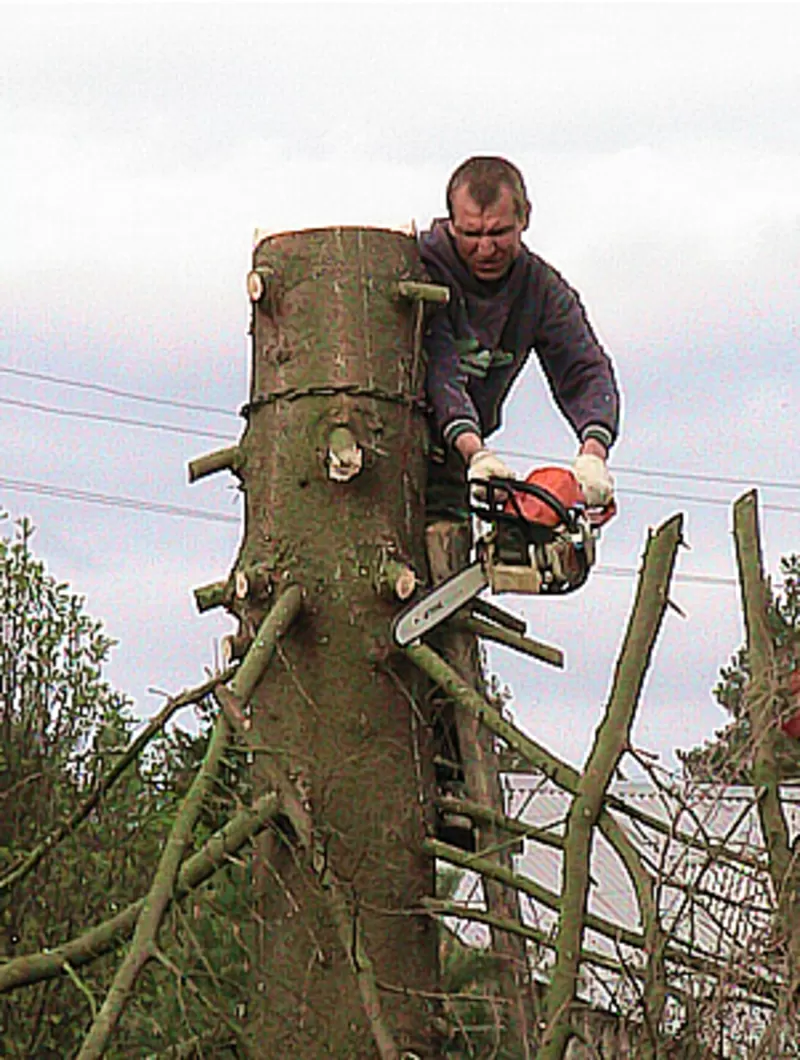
<point x="487" y="240"/>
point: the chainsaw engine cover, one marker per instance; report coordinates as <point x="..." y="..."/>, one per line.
<point x="529" y="506"/>
<point x="560" y="483"/>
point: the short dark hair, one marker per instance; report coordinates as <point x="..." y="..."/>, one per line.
<point x="484" y="176"/>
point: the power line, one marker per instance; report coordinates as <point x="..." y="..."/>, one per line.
<point x="691" y="579"/>
<point x="102" y="388"/>
<point x="199" y="433"/>
<point x="722" y="480"/>
<point x="110" y="500"/>
<point x="108" y="418"/>
<point x="689" y="498"/>
<point x="188" y="406"/>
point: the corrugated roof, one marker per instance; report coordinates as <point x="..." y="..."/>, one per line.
<point x="714" y="906"/>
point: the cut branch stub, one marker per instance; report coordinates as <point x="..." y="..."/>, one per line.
<point x="215" y="594"/>
<point x="436" y="293"/>
<point x="546" y="653"/>
<point x="258" y="282"/>
<point x="393" y="580"/>
<point x="229" y="459"/>
<point x="492" y="613"/>
<point x="254" y="583"/>
<point x="345" y="457"/>
<point x="241" y="585"/>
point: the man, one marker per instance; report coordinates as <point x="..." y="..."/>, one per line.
<point x="506" y="302"/>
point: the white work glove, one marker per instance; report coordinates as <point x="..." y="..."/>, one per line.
<point x="594" y="480"/>
<point x="485" y="464"/>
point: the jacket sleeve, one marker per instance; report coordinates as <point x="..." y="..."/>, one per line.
<point x="453" y="409"/>
<point x="579" y="371"/>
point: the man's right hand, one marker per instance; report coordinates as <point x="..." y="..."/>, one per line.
<point x="485" y="464"/>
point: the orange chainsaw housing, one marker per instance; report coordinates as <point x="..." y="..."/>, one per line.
<point x="559" y="481"/>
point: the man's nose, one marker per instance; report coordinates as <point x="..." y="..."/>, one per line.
<point x="485" y="245"/>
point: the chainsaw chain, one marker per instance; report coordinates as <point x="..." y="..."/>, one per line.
<point x="293" y="393"/>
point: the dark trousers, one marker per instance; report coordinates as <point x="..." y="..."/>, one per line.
<point x="446" y="496"/>
<point x="448" y="542"/>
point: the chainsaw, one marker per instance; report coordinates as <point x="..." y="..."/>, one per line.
<point x="538" y="541"/>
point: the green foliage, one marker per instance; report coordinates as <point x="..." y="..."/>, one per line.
<point x="61" y="728"/>
<point x="469" y="975"/>
<point x="727" y="757"/>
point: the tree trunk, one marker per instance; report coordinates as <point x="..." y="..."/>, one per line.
<point x="332" y="463"/>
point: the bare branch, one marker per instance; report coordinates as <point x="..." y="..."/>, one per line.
<point x="758" y="697"/>
<point x="281" y="616"/>
<point x="611" y="740"/>
<point x="158" y="899"/>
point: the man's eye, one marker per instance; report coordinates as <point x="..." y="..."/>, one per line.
<point x="497" y="233"/>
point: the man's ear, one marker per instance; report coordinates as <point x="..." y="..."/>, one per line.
<point x="526" y="220"/>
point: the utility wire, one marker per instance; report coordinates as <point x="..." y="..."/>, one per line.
<point x="689" y="498"/>
<point x="103" y="418"/>
<point x="692" y="579"/>
<point x="131" y="395"/>
<point x="723" y="480"/>
<point x="154" y="507"/>
<point x="194" y="432"/>
<point x="108" y="500"/>
<point x="102" y="388"/>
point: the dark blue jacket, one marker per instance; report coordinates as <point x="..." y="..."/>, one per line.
<point x="477" y="345"/>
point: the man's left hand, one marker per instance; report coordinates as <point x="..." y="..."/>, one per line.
<point x="594" y="479"/>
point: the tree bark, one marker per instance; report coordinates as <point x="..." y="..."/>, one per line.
<point x="337" y="355"/>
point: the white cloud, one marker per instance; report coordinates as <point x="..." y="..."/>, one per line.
<point x="142" y="145"/>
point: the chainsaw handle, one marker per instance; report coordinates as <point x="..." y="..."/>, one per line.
<point x="509" y="487"/>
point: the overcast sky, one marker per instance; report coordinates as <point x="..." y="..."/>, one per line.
<point x="140" y="146"/>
